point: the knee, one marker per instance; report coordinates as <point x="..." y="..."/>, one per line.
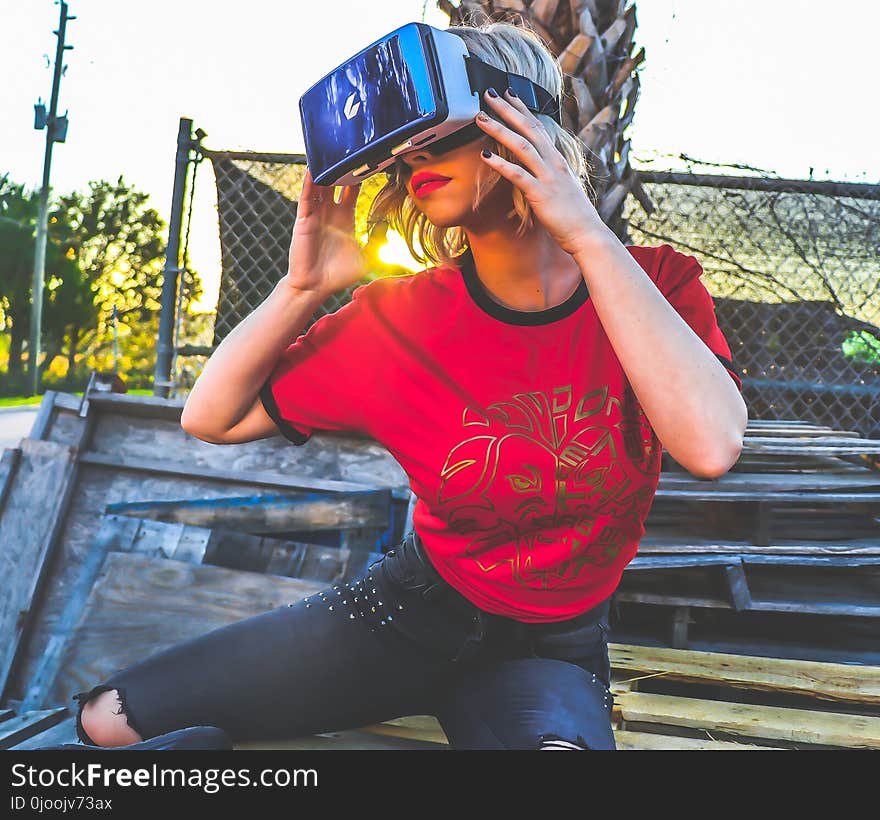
<point x="104" y="722"/>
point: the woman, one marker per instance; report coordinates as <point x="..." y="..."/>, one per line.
<point x="524" y="382"/>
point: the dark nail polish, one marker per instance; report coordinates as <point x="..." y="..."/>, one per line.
<point x="492" y="92"/>
<point x="511" y="92"/>
<point x="487" y="154"/>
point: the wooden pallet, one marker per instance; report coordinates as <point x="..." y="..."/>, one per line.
<point x="829" y="706"/>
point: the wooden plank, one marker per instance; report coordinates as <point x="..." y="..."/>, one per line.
<point x="648" y="562"/>
<point x="364" y="462"/>
<point x="748" y="720"/>
<point x="813" y="560"/>
<point x="804" y="434"/>
<point x="33" y="514"/>
<point x="427" y="728"/>
<point x="818" y="608"/>
<point x="862" y="479"/>
<point x="43" y="419"/>
<point x="719" y="493"/>
<point x="412" y="727"/>
<point x="115" y="533"/>
<point x="681" y="620"/>
<point x="266" y="514"/>
<point x="707" y="601"/>
<point x="657" y="562"/>
<point x="646" y="741"/>
<point x="28" y="724"/>
<point x="139" y="605"/>
<point x="344" y="740"/>
<point x="258" y="478"/>
<point x="8" y="465"/>
<point x="686" y="543"/>
<point x="63" y="732"/>
<point x="850" y="683"/>
<point x="816" y="446"/>
<point x="738" y="586"/>
<point x="357" y="464"/>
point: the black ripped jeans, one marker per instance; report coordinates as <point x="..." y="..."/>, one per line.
<point x="398" y="641"/>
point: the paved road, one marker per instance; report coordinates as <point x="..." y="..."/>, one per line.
<point x="15" y="424"/>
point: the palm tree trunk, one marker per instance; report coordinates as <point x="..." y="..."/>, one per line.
<point x="593" y="43"/>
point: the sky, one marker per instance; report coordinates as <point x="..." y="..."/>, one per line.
<point x="775" y="85"/>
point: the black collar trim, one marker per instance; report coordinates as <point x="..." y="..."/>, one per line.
<point x="509" y="315"/>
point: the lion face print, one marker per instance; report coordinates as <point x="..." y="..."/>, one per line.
<point x="547" y="484"/>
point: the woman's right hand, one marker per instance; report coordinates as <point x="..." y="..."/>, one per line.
<point x="325" y="256"/>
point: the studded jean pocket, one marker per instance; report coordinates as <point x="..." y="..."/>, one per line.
<point x="415" y="594"/>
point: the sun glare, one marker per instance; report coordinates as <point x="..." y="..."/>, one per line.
<point x="395" y="252"/>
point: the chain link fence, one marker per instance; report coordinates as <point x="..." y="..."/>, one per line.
<point x="793" y="267"/>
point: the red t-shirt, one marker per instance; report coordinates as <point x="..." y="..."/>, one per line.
<point x="532" y="461"/>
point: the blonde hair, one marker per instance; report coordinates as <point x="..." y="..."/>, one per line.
<point x="513" y="48"/>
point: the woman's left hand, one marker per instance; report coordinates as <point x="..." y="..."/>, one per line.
<point x="544" y="177"/>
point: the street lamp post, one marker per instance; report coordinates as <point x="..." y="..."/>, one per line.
<point x="56" y="131"/>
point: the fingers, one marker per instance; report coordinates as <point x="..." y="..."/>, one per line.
<point x="526" y="138"/>
<point x="315" y="198"/>
<point x="515" y="174"/>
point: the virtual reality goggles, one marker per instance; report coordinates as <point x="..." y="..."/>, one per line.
<point x="415" y="88"/>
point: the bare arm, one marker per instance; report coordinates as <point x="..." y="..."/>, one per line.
<point x="691" y="401"/>
<point x="224" y="406"/>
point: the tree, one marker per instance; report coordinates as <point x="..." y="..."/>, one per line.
<point x="106" y="249"/>
<point x="120" y="248"/>
<point x="18" y="222"/>
<point x="595" y="48"/>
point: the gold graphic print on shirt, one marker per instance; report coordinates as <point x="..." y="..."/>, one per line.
<point x="546" y="485"/>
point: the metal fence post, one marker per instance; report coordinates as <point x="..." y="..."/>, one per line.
<point x="165" y="342"/>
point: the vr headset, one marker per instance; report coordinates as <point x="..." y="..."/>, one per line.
<point x="415" y="88"/>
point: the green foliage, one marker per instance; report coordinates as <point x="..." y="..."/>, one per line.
<point x="106" y="251"/>
<point x="862" y="347"/>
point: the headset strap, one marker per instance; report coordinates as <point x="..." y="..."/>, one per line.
<point x="537" y="99"/>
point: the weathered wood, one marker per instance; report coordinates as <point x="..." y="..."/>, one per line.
<point x="836" y="445"/>
<point x="747" y="720"/>
<point x="43" y="419"/>
<point x="827" y="681"/>
<point x="413" y="727"/>
<point x="26" y="725"/>
<point x="345" y="740"/>
<point x="182" y="543"/>
<point x="266" y="514"/>
<point x="116" y="532"/>
<point x="238" y="470"/>
<point x="627" y="741"/>
<point x="835" y="585"/>
<point x="680" y="623"/>
<point x="140" y="605"/>
<point x="720" y="493"/>
<point x="8" y="464"/>
<point x="33" y="514"/>
<point x="862" y="479"/>
<point x="738" y="585"/>
<point x="62" y="732"/>
<point x="257" y="478"/>
<point x="656" y="544"/>
<point x="428" y="729"/>
<point x="343" y="458"/>
<point x="649" y="562"/>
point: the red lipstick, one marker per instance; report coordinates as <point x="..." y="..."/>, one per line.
<point x="424" y="182"/>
